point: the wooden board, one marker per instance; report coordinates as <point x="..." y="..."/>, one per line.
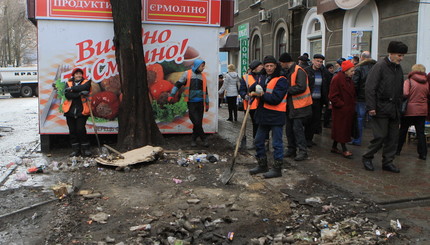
<point x="144" y="154"/>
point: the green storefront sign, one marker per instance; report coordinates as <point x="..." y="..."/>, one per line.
<point x="243" y="34"/>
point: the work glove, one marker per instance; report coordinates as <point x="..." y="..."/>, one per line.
<point x="68" y="90"/>
<point x="170" y="99"/>
<point x="246" y="97"/>
<point x="85" y="93"/>
<point x="259" y="89"/>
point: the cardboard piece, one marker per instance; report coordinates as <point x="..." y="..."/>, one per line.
<point x="144" y="154"/>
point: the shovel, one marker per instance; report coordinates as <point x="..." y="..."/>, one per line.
<point x="228" y="173"/>
<point x="95" y="127"/>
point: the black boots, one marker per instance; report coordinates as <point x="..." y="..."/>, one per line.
<point x="276" y="171"/>
<point x="368" y="165"/>
<point x="390" y="167"/>
<point x="261" y="168"/>
<point x="76" y="150"/>
<point x="86" y="152"/>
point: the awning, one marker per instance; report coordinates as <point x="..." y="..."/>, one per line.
<point x="229" y="42"/>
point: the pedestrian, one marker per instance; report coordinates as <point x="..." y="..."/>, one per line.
<point x="342" y="97"/>
<point x="196" y="96"/>
<point x="327" y="109"/>
<point x="248" y="79"/>
<point x="271" y="90"/>
<point x="338" y="64"/>
<point x="384" y="95"/>
<point x="359" y="78"/>
<point x="319" y="86"/>
<point x="299" y="107"/>
<point x="303" y="61"/>
<point x="416" y="91"/>
<point x="230" y="87"/>
<point x="220" y="83"/>
<point x="76" y="110"/>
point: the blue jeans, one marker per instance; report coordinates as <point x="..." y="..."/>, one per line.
<point x="277" y="143"/>
<point x="360" y="108"/>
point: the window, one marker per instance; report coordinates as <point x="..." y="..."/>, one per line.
<point x="256" y="48"/>
<point x="280" y="42"/>
<point x="360" y="31"/>
<point x="313" y="33"/>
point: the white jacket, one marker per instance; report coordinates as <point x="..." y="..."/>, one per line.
<point x="230" y="85"/>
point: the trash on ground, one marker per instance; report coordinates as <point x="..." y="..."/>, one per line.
<point x="144" y="227"/>
<point x="100" y="217"/>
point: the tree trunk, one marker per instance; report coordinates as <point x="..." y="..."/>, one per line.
<point x="136" y="123"/>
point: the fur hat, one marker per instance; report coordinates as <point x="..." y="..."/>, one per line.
<point x="396" y="47"/>
<point x="346" y="65"/>
<point x="285" y="57"/>
<point x="269" y="59"/>
<point x="254" y="64"/>
<point x="303" y="58"/>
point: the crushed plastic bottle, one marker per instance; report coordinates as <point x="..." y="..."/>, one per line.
<point x="21" y="176"/>
<point x="74" y="161"/>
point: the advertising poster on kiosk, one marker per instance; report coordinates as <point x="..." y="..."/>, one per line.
<point x="79" y="34"/>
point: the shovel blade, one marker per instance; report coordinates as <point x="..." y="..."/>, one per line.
<point x="227" y="175"/>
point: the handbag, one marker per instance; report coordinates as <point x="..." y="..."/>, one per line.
<point x="405" y="101"/>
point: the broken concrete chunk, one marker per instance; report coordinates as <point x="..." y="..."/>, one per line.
<point x="193" y="201"/>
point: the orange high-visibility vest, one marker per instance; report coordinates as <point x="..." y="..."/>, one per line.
<point x="187" y="87"/>
<point x="254" y="103"/>
<point x="68" y="103"/>
<point x="269" y="89"/>
<point x="304" y="99"/>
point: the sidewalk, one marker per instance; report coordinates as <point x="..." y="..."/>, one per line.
<point x="411" y="184"/>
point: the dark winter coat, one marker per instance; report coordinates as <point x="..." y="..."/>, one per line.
<point x="299" y="88"/>
<point x="384" y="89"/>
<point x="416" y="89"/>
<point x="360" y="76"/>
<point x="264" y="116"/>
<point x="342" y="96"/>
<point x="324" y="86"/>
<point x="76" y="108"/>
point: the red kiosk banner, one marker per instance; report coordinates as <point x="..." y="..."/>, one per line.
<point x="194" y="12"/>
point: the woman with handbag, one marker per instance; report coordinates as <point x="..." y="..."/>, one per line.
<point x="416" y="91"/>
<point x="230" y="86"/>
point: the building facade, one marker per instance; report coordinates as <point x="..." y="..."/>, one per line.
<point x="334" y="28"/>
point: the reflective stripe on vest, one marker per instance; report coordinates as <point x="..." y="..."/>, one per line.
<point x="186" y="92"/>
<point x="304" y="99"/>
<point x="269" y="89"/>
<point x="68" y="103"/>
<point x="256" y="100"/>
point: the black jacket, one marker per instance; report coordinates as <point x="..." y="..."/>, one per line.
<point x="384" y="89"/>
<point x="360" y="76"/>
<point x="299" y="88"/>
<point x="324" y="86"/>
<point x="76" y="108"/>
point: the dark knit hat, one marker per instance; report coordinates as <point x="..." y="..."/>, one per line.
<point x="269" y="59"/>
<point x="396" y="47"/>
<point x="285" y="57"/>
<point x="340" y="60"/>
<point x="346" y="65"/>
<point x="319" y="56"/>
<point x="303" y="58"/>
<point x="254" y="64"/>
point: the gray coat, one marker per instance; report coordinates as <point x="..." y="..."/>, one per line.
<point x="384" y="89"/>
<point x="231" y="84"/>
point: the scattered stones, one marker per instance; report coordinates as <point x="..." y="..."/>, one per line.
<point x="100" y="217"/>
